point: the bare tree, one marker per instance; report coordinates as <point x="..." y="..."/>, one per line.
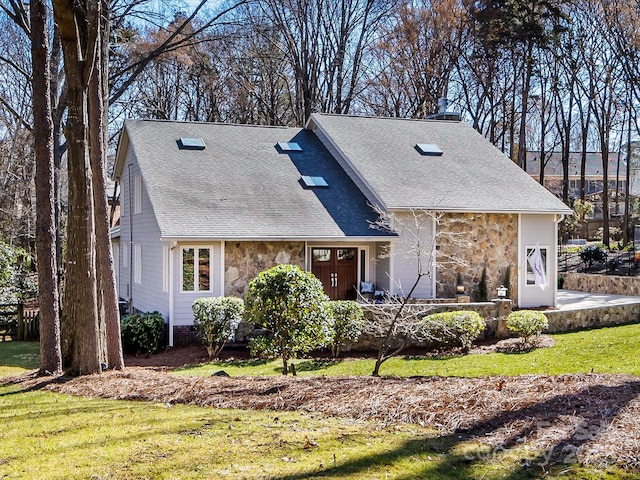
<point x="416" y="52"/>
<point x="396" y="322"/>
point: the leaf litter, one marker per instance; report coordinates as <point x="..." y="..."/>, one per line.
<point x="590" y="419"/>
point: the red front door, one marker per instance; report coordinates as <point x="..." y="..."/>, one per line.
<point x="337" y="269"/>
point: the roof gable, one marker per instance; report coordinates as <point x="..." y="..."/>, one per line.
<point x="470" y="174"/>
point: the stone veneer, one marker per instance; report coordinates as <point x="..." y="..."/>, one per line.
<point x="478" y="240"/>
<point x="245" y="260"/>
<point x="610" y="284"/>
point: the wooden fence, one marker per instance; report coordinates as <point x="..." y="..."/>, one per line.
<point x="18" y="322"/>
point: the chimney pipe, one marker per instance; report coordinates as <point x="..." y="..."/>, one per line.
<point x="443" y="103"/>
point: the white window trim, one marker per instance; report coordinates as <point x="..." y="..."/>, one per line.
<point x="196" y="283"/>
<point x="527" y="266"/>
<point x="137" y="263"/>
<point x="137" y="194"/>
<point x="124" y="255"/>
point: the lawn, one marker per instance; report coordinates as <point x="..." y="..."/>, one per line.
<point x="604" y="350"/>
<point x="51" y="435"/>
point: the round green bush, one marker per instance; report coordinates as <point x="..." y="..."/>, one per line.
<point x="452" y="329"/>
<point x="290" y="304"/>
<point x="142" y="332"/>
<point x="216" y="320"/>
<point x="527" y="324"/>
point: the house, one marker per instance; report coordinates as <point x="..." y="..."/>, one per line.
<point x="594" y="178"/>
<point x="205" y="207"/>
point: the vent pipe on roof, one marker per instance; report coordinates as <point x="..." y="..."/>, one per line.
<point x="443" y="103"/>
<point x="443" y="114"/>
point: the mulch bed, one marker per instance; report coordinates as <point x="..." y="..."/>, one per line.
<point x="590" y="419"/>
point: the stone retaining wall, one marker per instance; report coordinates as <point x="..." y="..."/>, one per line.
<point x="566" y="320"/>
<point x="610" y="284"/>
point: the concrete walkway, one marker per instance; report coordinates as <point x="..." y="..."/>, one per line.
<point x="574" y="300"/>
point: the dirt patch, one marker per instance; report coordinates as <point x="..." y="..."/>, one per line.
<point x="589" y="419"/>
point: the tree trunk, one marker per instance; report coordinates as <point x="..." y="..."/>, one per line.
<point x="50" y="354"/>
<point x="81" y="284"/>
<point x="108" y="297"/>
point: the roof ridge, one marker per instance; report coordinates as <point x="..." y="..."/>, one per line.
<point x="225" y="124"/>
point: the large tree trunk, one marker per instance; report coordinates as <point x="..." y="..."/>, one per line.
<point x="108" y="298"/>
<point x="50" y="355"/>
<point x="80" y="282"/>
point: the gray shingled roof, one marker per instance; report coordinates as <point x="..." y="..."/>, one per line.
<point x="471" y="175"/>
<point x="242" y="186"/>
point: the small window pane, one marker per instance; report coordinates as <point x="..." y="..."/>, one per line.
<point x="531" y="277"/>
<point x="204" y="269"/>
<point x="314" y="181"/>
<point x="346" y="254"/>
<point x="289" y="147"/>
<point x="321" y="255"/>
<point x="188" y="269"/>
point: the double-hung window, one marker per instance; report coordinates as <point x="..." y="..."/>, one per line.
<point x="196" y="269"/>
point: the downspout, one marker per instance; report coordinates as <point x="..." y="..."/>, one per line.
<point x="172" y="246"/>
<point x="130" y="292"/>
<point x="559" y="218"/>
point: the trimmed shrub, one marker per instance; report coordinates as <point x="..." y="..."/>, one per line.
<point x="216" y="320"/>
<point x="290" y="304"/>
<point x="142" y="332"/>
<point x="346" y="325"/>
<point x="452" y="329"/>
<point x="593" y="254"/>
<point x="483" y="292"/>
<point x="527" y="324"/>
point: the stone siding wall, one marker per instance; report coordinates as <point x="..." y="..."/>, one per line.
<point x="611" y="284"/>
<point x="480" y="241"/>
<point x="245" y="260"/>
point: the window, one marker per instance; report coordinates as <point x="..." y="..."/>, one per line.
<point x="429" y="149"/>
<point x="196" y="269"/>
<point x="137" y="194"/>
<point x="289" y="147"/>
<point x="537" y="266"/>
<point x="191" y="143"/>
<point x="137" y="263"/>
<point x="314" y="181"/>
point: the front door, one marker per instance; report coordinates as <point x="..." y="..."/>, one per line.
<point x="337" y="269"/>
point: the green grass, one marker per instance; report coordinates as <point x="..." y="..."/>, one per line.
<point x="45" y="435"/>
<point x="604" y="350"/>
<point x="18" y="357"/>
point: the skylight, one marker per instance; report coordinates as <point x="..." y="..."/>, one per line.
<point x="318" y="182"/>
<point x="289" y="147"/>
<point x="430" y="149"/>
<point x="191" y="143"/>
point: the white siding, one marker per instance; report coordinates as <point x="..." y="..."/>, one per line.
<point x="542" y="230"/>
<point x="404" y="258"/>
<point x="141" y="229"/>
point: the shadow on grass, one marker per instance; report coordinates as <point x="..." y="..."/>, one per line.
<point x="534" y="420"/>
<point x="313" y="365"/>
